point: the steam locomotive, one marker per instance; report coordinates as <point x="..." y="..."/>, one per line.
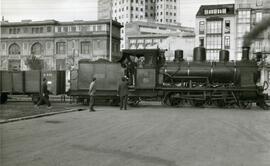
<point x="175" y="83"/>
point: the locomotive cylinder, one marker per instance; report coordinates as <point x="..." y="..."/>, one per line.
<point x="224" y="55"/>
<point x="245" y="53"/>
<point x="199" y="54"/>
<point x="178" y="55"/>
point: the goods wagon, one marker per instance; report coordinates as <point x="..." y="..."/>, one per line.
<point x="29" y="83"/>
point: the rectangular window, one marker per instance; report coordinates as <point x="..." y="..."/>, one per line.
<point x="214" y="27"/>
<point x="201" y="42"/>
<point x="213" y="42"/>
<point x="85" y="47"/>
<point x="49" y="29"/>
<point x="99" y="27"/>
<point x="258" y="17"/>
<point x="25" y="30"/>
<point x="60" y="47"/>
<point x="201" y="27"/>
<point x="258" y="46"/>
<point x="59" y="29"/>
<point x="227" y="42"/>
<point x="65" y="29"/>
<point x="73" y="29"/>
<point x="227" y="26"/>
<point x="212" y="55"/>
<point x="244" y="16"/>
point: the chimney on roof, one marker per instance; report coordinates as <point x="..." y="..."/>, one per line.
<point x="3" y="18"/>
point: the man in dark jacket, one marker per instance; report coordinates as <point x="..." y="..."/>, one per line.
<point x="123" y="93"/>
<point x="92" y="91"/>
<point x="44" y="94"/>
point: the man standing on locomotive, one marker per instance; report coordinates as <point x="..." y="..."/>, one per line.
<point x="123" y="93"/>
<point x="92" y="90"/>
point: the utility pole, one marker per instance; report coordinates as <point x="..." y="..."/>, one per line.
<point x="110" y="55"/>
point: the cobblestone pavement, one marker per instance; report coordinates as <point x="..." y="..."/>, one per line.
<point x="149" y="135"/>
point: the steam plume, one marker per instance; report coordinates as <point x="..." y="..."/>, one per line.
<point x="259" y="28"/>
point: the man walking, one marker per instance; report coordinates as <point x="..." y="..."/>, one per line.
<point x="123" y="93"/>
<point x="92" y="90"/>
<point x="44" y="95"/>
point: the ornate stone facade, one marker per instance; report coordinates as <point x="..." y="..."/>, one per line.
<point x="59" y="45"/>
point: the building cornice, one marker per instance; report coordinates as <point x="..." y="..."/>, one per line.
<point x="57" y="23"/>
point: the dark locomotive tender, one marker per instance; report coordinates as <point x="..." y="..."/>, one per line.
<point x="176" y="83"/>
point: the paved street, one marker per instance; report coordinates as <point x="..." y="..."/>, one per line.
<point x="13" y="110"/>
<point x="145" y="136"/>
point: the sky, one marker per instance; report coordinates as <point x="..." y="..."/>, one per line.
<point x="68" y="10"/>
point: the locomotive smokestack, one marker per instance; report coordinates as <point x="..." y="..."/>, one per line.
<point x="178" y="55"/>
<point x="224" y="55"/>
<point x="245" y="53"/>
<point x="259" y="56"/>
<point x="199" y="54"/>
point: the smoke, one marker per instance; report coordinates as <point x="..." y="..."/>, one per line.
<point x="259" y="28"/>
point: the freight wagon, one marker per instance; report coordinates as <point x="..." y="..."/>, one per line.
<point x="29" y="83"/>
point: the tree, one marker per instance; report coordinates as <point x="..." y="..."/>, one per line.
<point x="34" y="63"/>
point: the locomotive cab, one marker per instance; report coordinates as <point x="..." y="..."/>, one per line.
<point x="142" y="66"/>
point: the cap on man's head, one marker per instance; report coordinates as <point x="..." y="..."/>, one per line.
<point x="94" y="78"/>
<point x="44" y="79"/>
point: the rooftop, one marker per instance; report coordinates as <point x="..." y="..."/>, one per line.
<point x="228" y="7"/>
<point x="55" y="22"/>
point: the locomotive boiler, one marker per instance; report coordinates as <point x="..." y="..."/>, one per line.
<point x="220" y="83"/>
<point x="223" y="73"/>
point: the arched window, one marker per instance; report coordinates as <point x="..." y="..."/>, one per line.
<point x="14" y="49"/>
<point x="36" y="49"/>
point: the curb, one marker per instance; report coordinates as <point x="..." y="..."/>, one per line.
<point x="39" y="116"/>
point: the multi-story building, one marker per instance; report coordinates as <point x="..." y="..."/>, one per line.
<point x="126" y="11"/>
<point x="215" y="30"/>
<point x="166" y="11"/>
<point x="143" y="35"/>
<point x="58" y="44"/>
<point x="249" y="14"/>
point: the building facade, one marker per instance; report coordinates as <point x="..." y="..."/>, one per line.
<point x="59" y="45"/>
<point x="126" y="11"/>
<point x="250" y="13"/>
<point x="215" y="30"/>
<point x="143" y="35"/>
<point x="166" y="11"/>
